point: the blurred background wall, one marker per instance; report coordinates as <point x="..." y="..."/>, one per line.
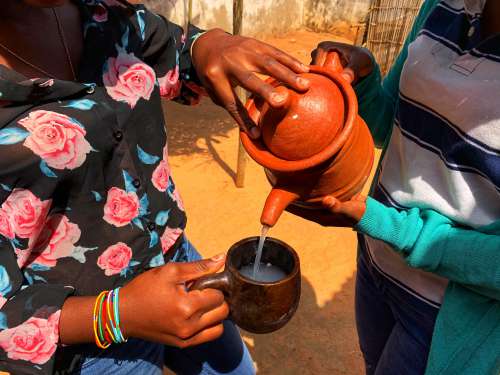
<point x="269" y="17"/>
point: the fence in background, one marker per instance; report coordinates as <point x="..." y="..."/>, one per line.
<point x="389" y="22"/>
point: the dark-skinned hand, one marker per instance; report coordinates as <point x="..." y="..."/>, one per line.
<point x="335" y="213"/>
<point x="224" y="61"/>
<point x="356" y="61"/>
<point x="174" y="316"/>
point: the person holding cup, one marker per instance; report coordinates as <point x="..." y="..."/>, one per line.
<point x="428" y="286"/>
<point x="94" y="265"/>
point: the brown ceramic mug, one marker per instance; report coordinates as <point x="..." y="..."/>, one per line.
<point x="256" y="306"/>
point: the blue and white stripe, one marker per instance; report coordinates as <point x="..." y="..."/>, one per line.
<point x="444" y="152"/>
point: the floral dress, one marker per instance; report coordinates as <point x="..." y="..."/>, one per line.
<point x="87" y="200"/>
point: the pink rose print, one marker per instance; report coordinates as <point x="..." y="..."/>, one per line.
<point x="3" y="301"/>
<point x="121" y="207"/>
<point x="6" y="229"/>
<point x="127" y="79"/>
<point x="100" y="13"/>
<point x="26" y="212"/>
<point x="161" y="175"/>
<point x="56" y="138"/>
<point x="35" y="340"/>
<point x="56" y="240"/>
<point x="170" y="86"/>
<point x="22" y="257"/>
<point x="169" y="238"/>
<point x="115" y="258"/>
<point x="47" y="83"/>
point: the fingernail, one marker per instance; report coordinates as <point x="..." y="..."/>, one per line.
<point x="304" y="67"/>
<point x="303" y="82"/>
<point x="329" y="201"/>
<point x="218" y="257"/>
<point x="348" y="76"/>
<point x="278" y="98"/>
<point x="255" y="132"/>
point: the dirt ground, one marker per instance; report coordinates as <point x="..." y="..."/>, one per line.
<point x="203" y="143"/>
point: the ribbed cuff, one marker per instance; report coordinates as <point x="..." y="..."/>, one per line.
<point x="372" y="221"/>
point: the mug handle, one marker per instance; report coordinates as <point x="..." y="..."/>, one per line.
<point x="218" y="281"/>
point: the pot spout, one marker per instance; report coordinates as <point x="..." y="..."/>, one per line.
<point x="277" y="201"/>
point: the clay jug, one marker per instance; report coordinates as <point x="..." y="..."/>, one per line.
<point x="315" y="145"/>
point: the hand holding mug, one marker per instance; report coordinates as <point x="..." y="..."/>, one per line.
<point x="156" y="306"/>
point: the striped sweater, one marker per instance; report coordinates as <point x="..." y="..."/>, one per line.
<point x="432" y="223"/>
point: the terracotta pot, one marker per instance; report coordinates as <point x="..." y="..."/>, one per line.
<point x="315" y="145"/>
<point x="258" y="307"/>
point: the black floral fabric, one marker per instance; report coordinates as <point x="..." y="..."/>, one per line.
<point x="87" y="199"/>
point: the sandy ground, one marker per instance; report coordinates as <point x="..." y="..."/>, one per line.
<point x="203" y="143"/>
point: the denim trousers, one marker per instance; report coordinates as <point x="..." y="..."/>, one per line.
<point x="394" y="326"/>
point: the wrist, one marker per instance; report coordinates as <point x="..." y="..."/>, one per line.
<point x="199" y="44"/>
<point x="75" y="325"/>
<point x="127" y="321"/>
<point x="195" y="39"/>
<point x="372" y="221"/>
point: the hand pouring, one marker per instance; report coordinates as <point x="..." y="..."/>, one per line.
<point x="314" y="145"/>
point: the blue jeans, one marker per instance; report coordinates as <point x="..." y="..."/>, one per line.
<point x="394" y="327"/>
<point x="227" y="355"/>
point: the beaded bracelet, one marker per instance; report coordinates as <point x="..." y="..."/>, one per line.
<point x="106" y="319"/>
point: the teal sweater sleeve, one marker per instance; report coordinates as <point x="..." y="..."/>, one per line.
<point x="432" y="242"/>
<point x="377" y="101"/>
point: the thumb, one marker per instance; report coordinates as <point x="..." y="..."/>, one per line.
<point x="348" y="74"/>
<point x="353" y="209"/>
<point x="340" y="208"/>
<point x="333" y="205"/>
<point x="194" y="270"/>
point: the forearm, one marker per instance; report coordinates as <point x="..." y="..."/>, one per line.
<point x="432" y="242"/>
<point x="76" y="324"/>
<point x="77" y="318"/>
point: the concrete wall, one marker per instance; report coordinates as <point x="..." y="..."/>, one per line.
<point x="260" y="16"/>
<point x="272" y="16"/>
<point x="267" y="16"/>
<point x="325" y="15"/>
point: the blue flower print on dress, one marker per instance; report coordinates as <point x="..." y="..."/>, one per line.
<point x="145" y="157"/>
<point x="5" y="284"/>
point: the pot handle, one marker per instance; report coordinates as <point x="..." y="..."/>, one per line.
<point x="218" y="281"/>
